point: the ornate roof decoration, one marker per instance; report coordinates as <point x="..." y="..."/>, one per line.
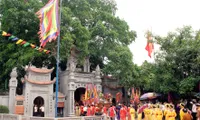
<point x="45" y="82"/>
<point x="13" y="73"/>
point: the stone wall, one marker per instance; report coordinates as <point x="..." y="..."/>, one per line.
<point x="19" y="117"/>
<point x="4" y="99"/>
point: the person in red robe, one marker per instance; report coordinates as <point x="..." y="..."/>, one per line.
<point x="81" y="110"/>
<point x="112" y="112"/>
<point x="97" y="110"/>
<point x="89" y="111"/>
<point x="123" y="113"/>
<point x="105" y="112"/>
<point x="128" y="113"/>
<point x="92" y="110"/>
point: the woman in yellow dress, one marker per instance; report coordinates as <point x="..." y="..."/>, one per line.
<point x="132" y="112"/>
<point x="171" y="114"/>
<point x="166" y="110"/>
<point x="146" y="113"/>
<point x="139" y="115"/>
<point x="153" y="112"/>
<point x="181" y="105"/>
<point x="159" y="113"/>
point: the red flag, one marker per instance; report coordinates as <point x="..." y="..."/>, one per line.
<point x="149" y="47"/>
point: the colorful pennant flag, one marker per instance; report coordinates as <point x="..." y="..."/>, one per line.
<point x="86" y="92"/>
<point x="132" y="93"/>
<point x="23" y="42"/>
<point x="95" y="92"/>
<point x="149" y="47"/>
<point x="49" y="22"/>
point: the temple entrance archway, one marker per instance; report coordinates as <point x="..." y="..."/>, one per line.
<point x="38" y="107"/>
<point x="79" y="95"/>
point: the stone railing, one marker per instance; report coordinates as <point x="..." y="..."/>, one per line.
<point x="19" y="117"/>
<point x="82" y="118"/>
<point x="9" y="117"/>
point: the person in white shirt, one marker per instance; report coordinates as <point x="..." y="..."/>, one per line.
<point x="42" y="110"/>
<point x="194" y="109"/>
<point x="85" y="110"/>
<point x="35" y="108"/>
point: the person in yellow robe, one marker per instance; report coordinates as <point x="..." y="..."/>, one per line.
<point x="153" y="112"/>
<point x="171" y="114"/>
<point x="150" y="112"/>
<point x="132" y="112"/>
<point x="139" y="115"/>
<point x="165" y="110"/>
<point x="181" y="113"/>
<point x="147" y="113"/>
<point x="159" y="113"/>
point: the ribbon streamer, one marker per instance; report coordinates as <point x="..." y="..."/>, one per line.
<point x="23" y="42"/>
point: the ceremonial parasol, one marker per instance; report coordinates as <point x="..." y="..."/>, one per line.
<point x="141" y="109"/>
<point x="149" y="96"/>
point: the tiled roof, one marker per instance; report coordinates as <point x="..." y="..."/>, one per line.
<point x="40" y="70"/>
<point x="45" y="82"/>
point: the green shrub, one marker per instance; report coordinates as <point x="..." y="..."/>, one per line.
<point x="4" y="109"/>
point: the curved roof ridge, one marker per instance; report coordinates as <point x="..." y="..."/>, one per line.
<point x="40" y="82"/>
<point x="40" y="70"/>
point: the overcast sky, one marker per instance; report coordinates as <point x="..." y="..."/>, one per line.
<point x="161" y="16"/>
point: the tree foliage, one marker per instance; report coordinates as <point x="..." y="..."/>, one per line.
<point x="176" y="66"/>
<point x="90" y="25"/>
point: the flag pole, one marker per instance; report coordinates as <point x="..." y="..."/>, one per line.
<point x="57" y="63"/>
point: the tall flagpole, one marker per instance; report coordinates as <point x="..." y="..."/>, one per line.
<point x="57" y="62"/>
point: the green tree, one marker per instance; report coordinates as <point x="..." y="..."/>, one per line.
<point x="176" y="65"/>
<point x="90" y="25"/>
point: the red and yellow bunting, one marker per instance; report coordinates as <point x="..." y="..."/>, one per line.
<point x="24" y="43"/>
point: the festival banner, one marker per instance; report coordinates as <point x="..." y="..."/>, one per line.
<point x="49" y="22"/>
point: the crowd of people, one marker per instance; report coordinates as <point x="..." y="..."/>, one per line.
<point x="143" y="111"/>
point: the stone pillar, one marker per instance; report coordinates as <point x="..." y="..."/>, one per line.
<point x="71" y="89"/>
<point x="97" y="72"/>
<point x="86" y="66"/>
<point x="51" y="107"/>
<point x="97" y="78"/>
<point x="12" y="90"/>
